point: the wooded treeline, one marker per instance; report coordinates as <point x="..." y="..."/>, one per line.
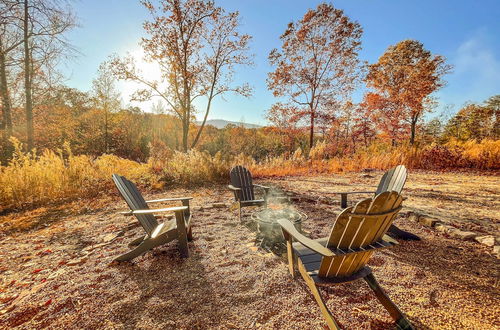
<point x="75" y="117"/>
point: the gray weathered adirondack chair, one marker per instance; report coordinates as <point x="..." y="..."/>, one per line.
<point x="243" y="188"/>
<point x="357" y="233"/>
<point x="392" y="180"/>
<point x="156" y="234"/>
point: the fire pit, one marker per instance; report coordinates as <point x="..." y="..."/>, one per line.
<point x="268" y="229"/>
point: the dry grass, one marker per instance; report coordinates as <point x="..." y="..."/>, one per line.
<point x="30" y="180"/>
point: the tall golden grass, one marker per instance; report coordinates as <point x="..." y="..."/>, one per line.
<point x="32" y="180"/>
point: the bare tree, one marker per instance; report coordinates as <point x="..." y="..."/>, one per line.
<point x="10" y="39"/>
<point x="106" y="98"/>
<point x="44" y="23"/>
<point x="196" y="46"/>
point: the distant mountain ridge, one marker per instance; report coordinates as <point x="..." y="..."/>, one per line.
<point x="221" y="123"/>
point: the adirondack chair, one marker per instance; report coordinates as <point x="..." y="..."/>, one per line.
<point x="357" y="233"/>
<point x="392" y="180"/>
<point x="156" y="234"/>
<point x="243" y="189"/>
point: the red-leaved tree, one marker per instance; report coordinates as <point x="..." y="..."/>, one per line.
<point x="317" y="67"/>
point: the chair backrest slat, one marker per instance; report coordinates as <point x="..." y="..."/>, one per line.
<point x="242" y="178"/>
<point x="135" y="201"/>
<point x="353" y="231"/>
<point x="393" y="180"/>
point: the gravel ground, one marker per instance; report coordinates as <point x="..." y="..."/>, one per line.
<point x="56" y="265"/>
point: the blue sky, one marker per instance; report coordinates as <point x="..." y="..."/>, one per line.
<point x="467" y="33"/>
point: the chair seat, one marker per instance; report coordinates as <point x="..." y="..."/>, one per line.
<point x="166" y="226"/>
<point x="312" y="260"/>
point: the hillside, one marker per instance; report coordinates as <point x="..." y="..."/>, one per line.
<point x="221" y="123"/>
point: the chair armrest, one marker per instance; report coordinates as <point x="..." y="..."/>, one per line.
<point x="150" y="211"/>
<point x="126" y="213"/>
<point x="261" y="186"/>
<point x="290" y="229"/>
<point x="233" y="188"/>
<point x="353" y="192"/>
<point x="169" y="199"/>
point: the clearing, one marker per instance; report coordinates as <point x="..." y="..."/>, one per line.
<point x="57" y="271"/>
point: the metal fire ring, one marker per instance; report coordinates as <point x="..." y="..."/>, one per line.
<point x="301" y="216"/>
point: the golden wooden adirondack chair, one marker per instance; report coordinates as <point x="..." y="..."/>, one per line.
<point x="357" y="233"/>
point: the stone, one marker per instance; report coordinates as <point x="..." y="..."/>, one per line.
<point x="444" y="228"/>
<point x="452" y="232"/>
<point x="465" y="235"/>
<point x="496" y="251"/>
<point x="427" y="221"/>
<point x="488" y="240"/>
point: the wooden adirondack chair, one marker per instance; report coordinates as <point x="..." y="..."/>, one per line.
<point x="243" y="189"/>
<point x="156" y="234"/>
<point x="356" y="234"/>
<point x="392" y="180"/>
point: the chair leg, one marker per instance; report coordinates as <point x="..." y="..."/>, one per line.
<point x="343" y="200"/>
<point x="182" y="233"/>
<point x="190" y="234"/>
<point x="330" y="319"/>
<point x="401" y="321"/>
<point x="139" y="250"/>
<point x="291" y="256"/>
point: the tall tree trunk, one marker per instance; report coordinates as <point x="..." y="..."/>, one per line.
<point x="210" y="97"/>
<point x="106" y="144"/>
<point x="203" y="123"/>
<point x="413" y="129"/>
<point x="6" y="123"/>
<point x="365" y="137"/>
<point x="27" y="80"/>
<point x="185" y="131"/>
<point x="311" y="132"/>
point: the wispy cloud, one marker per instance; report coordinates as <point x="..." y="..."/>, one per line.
<point x="476" y="56"/>
<point x="476" y="73"/>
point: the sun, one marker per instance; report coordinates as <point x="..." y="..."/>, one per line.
<point x="149" y="71"/>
